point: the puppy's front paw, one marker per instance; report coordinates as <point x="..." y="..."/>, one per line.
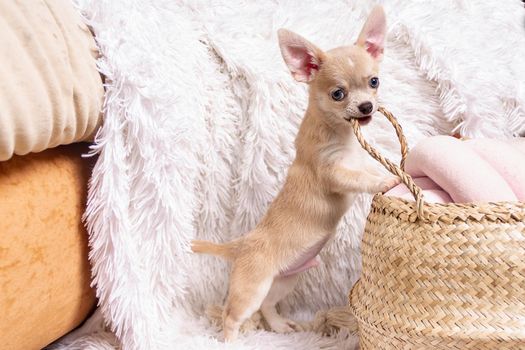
<point x="389" y="183"/>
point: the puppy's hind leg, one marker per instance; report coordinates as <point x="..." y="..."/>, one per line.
<point x="280" y="288"/>
<point x="248" y="288"/>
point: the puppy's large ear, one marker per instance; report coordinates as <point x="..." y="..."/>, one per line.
<point x="372" y="36"/>
<point x="302" y="57"/>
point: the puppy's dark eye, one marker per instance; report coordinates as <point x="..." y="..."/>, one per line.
<point x="338" y="95"/>
<point x="374" y="82"/>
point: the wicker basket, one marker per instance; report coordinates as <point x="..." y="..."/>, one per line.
<point x="440" y="276"/>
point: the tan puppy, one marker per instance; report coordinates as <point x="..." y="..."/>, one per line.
<point x="322" y="182"/>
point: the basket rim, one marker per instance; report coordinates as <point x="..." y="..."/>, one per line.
<point x="448" y="213"/>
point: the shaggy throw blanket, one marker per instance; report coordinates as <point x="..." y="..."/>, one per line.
<point x="200" y="118"/>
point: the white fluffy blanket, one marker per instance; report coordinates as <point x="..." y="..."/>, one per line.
<point x="200" y="118"/>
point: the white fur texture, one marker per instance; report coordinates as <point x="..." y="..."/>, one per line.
<point x="200" y="118"/>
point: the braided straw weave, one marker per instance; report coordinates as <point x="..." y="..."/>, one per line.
<point x="440" y="276"/>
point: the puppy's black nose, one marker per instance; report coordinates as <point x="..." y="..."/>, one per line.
<point x="366" y="107"/>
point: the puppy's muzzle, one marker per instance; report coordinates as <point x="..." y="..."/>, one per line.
<point x="366" y="107"/>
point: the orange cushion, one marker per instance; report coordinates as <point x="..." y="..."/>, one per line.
<point x="44" y="270"/>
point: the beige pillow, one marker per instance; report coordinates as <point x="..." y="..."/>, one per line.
<point x="50" y="90"/>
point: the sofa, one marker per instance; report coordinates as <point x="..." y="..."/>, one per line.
<point x="51" y="97"/>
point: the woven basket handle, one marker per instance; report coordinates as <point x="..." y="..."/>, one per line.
<point x="390" y="166"/>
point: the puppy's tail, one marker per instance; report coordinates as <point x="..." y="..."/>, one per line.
<point x="226" y="250"/>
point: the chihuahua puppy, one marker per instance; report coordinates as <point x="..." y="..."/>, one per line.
<point x="325" y="177"/>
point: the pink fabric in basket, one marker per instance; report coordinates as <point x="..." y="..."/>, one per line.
<point x="506" y="159"/>
<point x="451" y="170"/>
<point x="432" y="192"/>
